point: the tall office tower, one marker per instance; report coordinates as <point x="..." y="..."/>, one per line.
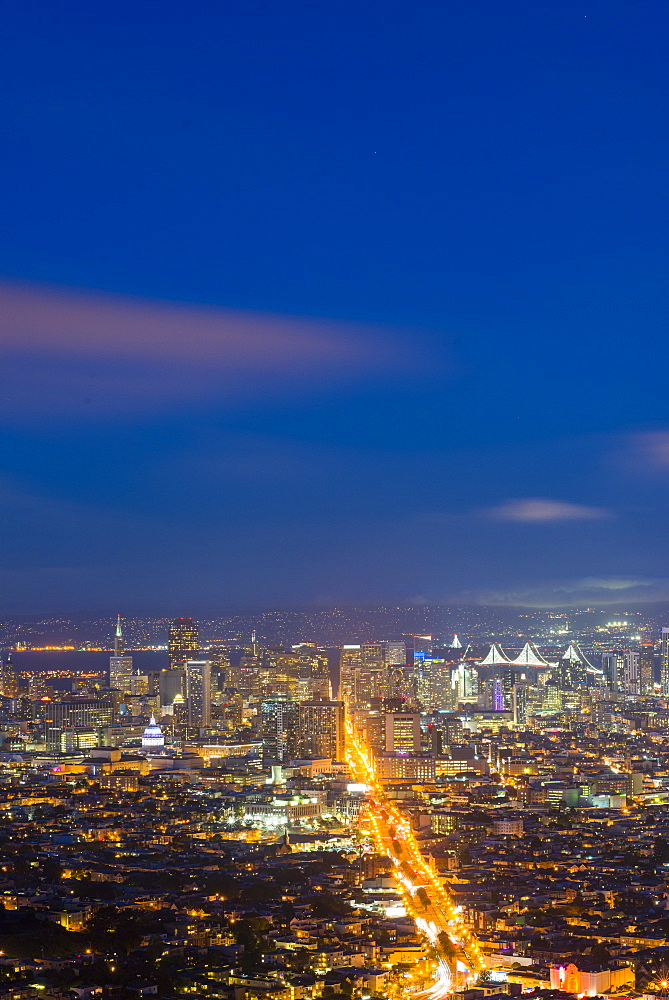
<point x="632" y="679"/>
<point x="220" y="667"/>
<point x="374" y="730"/>
<point x="403" y="731"/>
<point x="139" y="685"/>
<point x="422" y="644"/>
<point x="647" y="667"/>
<point x="519" y="704"/>
<point x="279" y="728"/>
<point x="498" y="695"/>
<point x="441" y="692"/>
<point x="398" y="684"/>
<point x="152" y="677"/>
<point x="464" y="684"/>
<point x="664" y="652"/>
<point x="371" y="654"/>
<point x="231" y="709"/>
<point x="183" y="643"/>
<point x="170" y="684"/>
<point x="120" y="665"/>
<point x="321" y="729"/>
<point x="552" y="697"/>
<point x="278" y="671"/>
<point x="313" y="677"/>
<point x="573" y="668"/>
<point x="443" y="729"/>
<point x="249" y="671"/>
<point x="320" y="680"/>
<point x="421" y="662"/>
<point x="198" y="693"/>
<point x="350" y="658"/>
<point x="510" y="675"/>
<point x="369" y="684"/>
<point x="613" y="668"/>
<point x="37" y="687"/>
<point x="119" y="645"/>
<point x="394" y="653"/>
<point x="9" y="679"/>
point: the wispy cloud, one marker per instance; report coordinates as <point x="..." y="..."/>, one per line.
<point x="538" y="510"/>
<point x="67" y="351"/>
<point x="589" y="591"/>
<point x="648" y="451"/>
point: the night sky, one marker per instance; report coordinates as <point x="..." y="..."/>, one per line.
<point x="328" y="303"/>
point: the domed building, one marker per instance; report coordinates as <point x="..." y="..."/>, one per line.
<point x="153" y="739"/>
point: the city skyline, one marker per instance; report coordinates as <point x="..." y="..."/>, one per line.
<point x="334" y="471"/>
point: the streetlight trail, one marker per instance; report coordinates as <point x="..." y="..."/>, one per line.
<point x="435" y="914"/>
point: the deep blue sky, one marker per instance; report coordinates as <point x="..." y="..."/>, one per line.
<point x="478" y="188"/>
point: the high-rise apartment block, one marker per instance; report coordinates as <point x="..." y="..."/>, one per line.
<point x="279" y="728"/>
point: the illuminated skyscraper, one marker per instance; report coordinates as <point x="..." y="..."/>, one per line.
<point x="170" y="684"/>
<point x="198" y="693"/>
<point x="498" y="695"/>
<point x="573" y="669"/>
<point x="369" y="684"/>
<point x="519" y="704"/>
<point x="183" y="643"/>
<point x="371" y="654"/>
<point x="664" y="676"/>
<point x="465" y="683"/>
<point x="441" y="692"/>
<point x="120" y="666"/>
<point x="420" y="669"/>
<point x="321" y="729"/>
<point x="9" y="679"/>
<point x="613" y="667"/>
<point x="279" y="728"/>
<point x="119" y="645"/>
<point x="221" y="671"/>
<point x="403" y="731"/>
<point x="632" y="678"/>
<point x="351" y="657"/>
<point x="394" y="653"/>
<point x="313" y="674"/>
<point x="250" y="673"/>
<point x="647" y="667"/>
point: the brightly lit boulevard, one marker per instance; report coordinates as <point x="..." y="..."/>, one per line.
<point x="456" y="958"/>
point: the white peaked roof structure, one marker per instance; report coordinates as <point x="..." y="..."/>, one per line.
<point x="456" y="644"/>
<point x="573" y="653"/>
<point x="530" y="656"/>
<point x="495" y="655"/>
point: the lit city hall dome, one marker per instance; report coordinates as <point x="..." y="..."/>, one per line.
<point x="153" y="738"/>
